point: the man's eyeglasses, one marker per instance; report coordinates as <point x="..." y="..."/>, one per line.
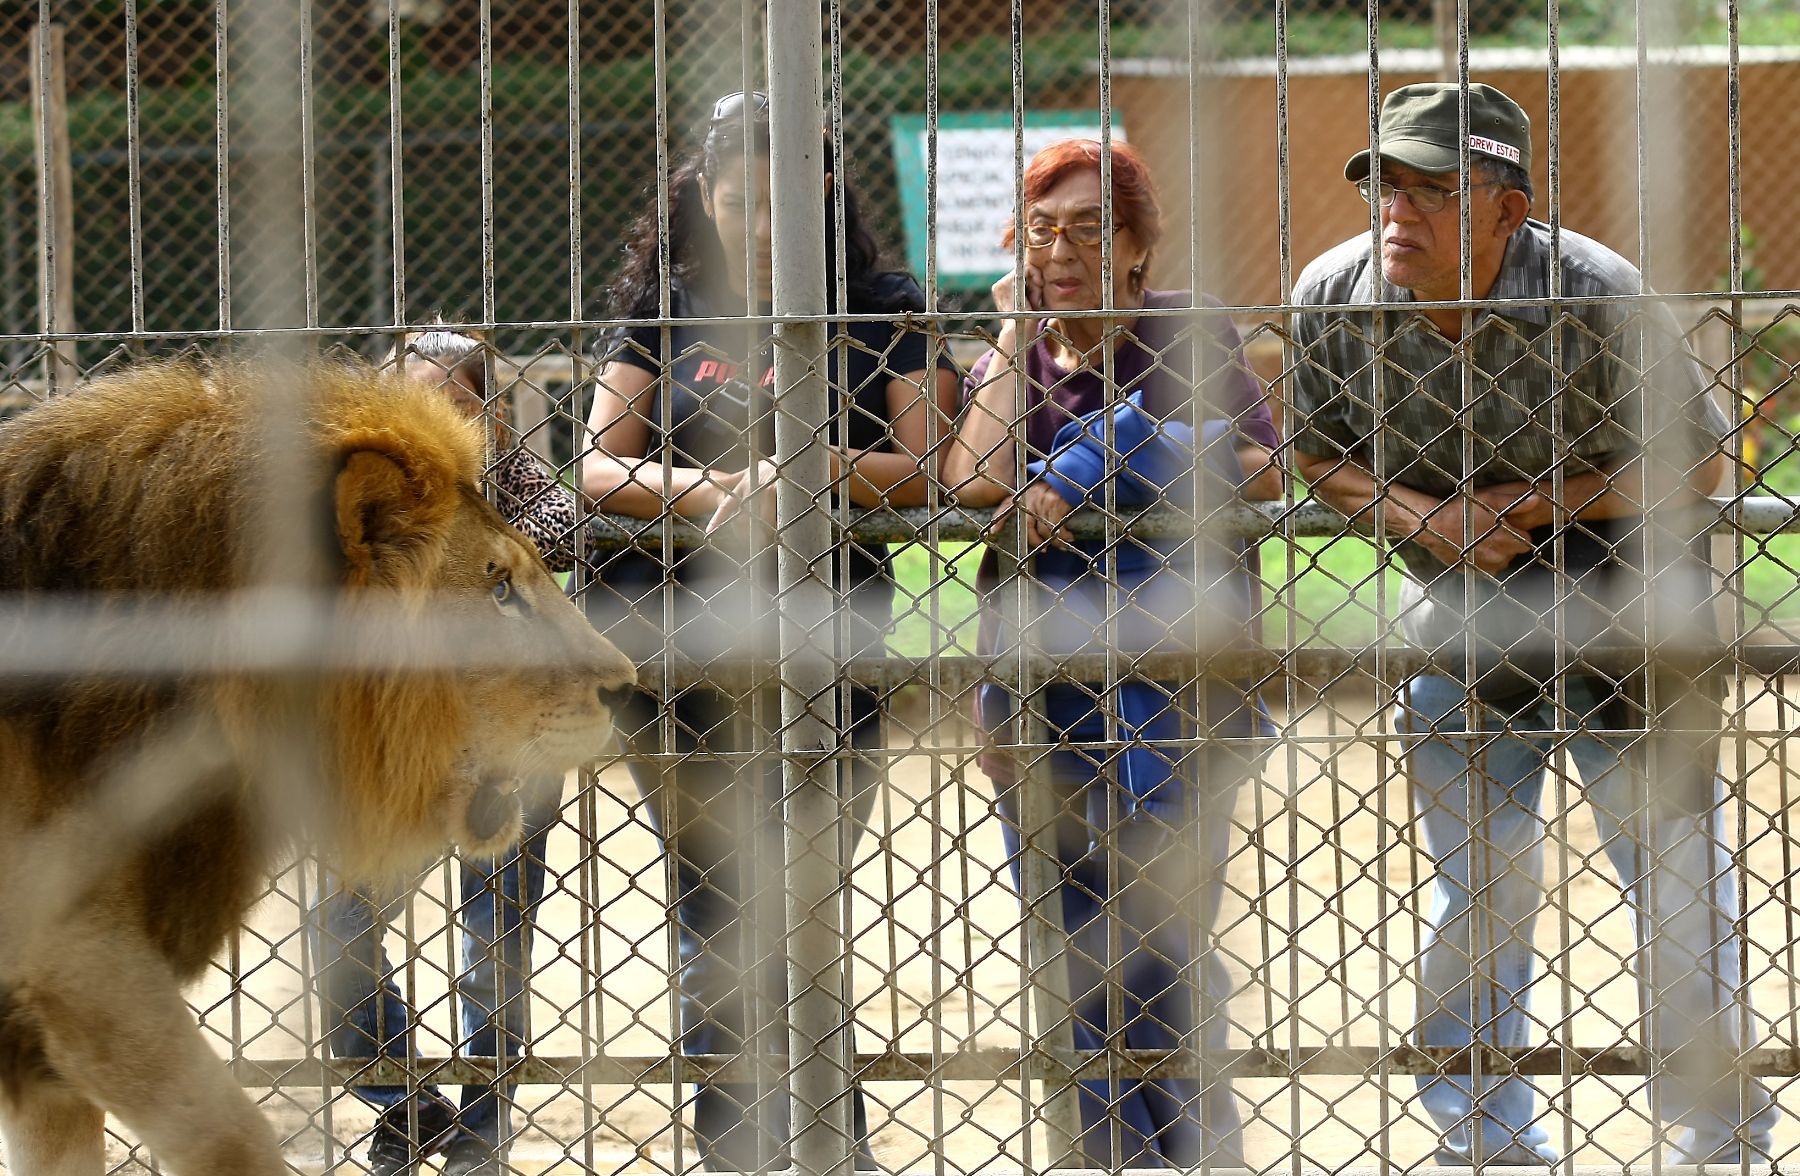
<point x="1082" y="233"/>
<point x="1424" y="197"/>
<point x="730" y="108"/>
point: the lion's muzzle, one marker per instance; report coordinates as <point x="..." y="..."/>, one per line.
<point x="492" y="812"/>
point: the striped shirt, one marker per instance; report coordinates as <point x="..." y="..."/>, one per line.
<point x="1527" y="403"/>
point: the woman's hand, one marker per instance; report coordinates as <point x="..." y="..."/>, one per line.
<point x="1044" y="511"/>
<point x="741" y="496"/>
<point x="1003" y="290"/>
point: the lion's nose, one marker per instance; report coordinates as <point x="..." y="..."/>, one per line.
<point x="617" y="698"/>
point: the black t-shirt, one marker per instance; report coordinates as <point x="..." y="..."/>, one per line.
<point x="719" y="415"/>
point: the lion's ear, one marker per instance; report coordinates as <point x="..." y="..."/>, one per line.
<point x="390" y="521"/>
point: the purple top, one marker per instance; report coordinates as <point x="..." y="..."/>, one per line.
<point x="1211" y="345"/>
<point x="1160" y="357"/>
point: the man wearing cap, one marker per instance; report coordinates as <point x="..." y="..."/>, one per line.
<point x="1505" y="451"/>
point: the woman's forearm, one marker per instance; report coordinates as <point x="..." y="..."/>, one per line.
<point x="880" y="477"/>
<point x="1262" y="477"/>
<point x="641" y="488"/>
<point x="980" y="458"/>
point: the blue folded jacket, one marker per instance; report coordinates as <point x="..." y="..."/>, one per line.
<point x="1147" y="461"/>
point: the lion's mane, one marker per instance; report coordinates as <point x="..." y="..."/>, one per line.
<point x="143" y="488"/>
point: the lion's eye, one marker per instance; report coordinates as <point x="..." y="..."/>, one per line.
<point x="506" y="596"/>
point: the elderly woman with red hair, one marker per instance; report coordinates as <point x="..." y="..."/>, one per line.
<point x="1118" y="397"/>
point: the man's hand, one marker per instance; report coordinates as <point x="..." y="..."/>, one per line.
<point x="1492" y="535"/>
<point x="1521" y="504"/>
<point x="1458" y="532"/>
<point x="1044" y="512"/>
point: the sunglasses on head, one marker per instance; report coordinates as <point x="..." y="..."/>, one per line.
<point x="731" y="107"/>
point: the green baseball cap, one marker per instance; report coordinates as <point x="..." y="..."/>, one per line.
<point x="1419" y="125"/>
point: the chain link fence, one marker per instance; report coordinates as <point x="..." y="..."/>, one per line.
<point x="1134" y="855"/>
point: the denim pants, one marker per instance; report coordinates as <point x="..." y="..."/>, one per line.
<point x="1138" y="930"/>
<point x="365" y="1014"/>
<point x="1477" y="802"/>
<point x="721" y="826"/>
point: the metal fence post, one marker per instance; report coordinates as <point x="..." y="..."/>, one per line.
<point x="1051" y="1056"/>
<point x="819" y="1061"/>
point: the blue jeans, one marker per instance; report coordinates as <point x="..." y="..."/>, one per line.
<point x="1136" y="925"/>
<point x="1478" y="806"/>
<point x="721" y="826"/>
<point x="365" y="1014"/>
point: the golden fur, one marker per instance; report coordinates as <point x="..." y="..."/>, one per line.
<point x="141" y="815"/>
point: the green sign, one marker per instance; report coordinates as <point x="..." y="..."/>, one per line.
<point x="976" y="167"/>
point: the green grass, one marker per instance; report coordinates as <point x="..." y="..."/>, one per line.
<point x="1772" y="562"/>
<point x="1333" y="599"/>
<point x="916" y="633"/>
<point x="1336" y="598"/>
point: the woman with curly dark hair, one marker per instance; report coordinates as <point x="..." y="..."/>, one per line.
<point x="683" y="422"/>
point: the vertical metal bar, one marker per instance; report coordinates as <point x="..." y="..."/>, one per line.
<point x="665" y="719"/>
<point x="932" y="83"/>
<point x="839" y="407"/>
<point x="396" y="142"/>
<point x="222" y="158"/>
<point x="1111" y="776"/>
<point x="1565" y="721"/>
<point x="818" y="1083"/>
<point x="485" y="23"/>
<point x="288" y="553"/>
<point x="577" y="302"/>
<point x="936" y="572"/>
<point x="592" y="1021"/>
<point x="309" y="188"/>
<point x="1487" y="863"/>
<point x="1658" y="119"/>
<point x="1194" y="903"/>
<point x="581" y="359"/>
<point x="1744" y="1022"/>
<point x="1388" y="762"/>
<point x="1290" y="553"/>
<point x="762" y="913"/>
<point x="1044" y="969"/>
<point x="56" y="200"/>
<point x="134" y="165"/>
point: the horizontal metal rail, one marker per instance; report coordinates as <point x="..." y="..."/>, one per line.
<point x="1308" y="519"/>
<point x="1318" y="666"/>
<point x="991" y="1064"/>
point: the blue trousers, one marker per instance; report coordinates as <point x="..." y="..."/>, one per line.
<point x="1142" y="877"/>
<point x="1477" y="799"/>
<point x="365" y="1014"/>
<point x="721" y="827"/>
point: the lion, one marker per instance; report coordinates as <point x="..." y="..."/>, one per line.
<point x="144" y="805"/>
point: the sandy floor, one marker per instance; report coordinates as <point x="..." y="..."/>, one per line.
<point x="1323" y="912"/>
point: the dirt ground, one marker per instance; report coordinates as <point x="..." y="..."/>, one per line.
<point x="1321" y="919"/>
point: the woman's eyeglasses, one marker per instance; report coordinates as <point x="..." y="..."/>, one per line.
<point x="1085" y="234"/>
<point x="730" y="108"/>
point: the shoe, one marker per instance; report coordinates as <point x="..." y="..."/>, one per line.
<point x="1513" y="1155"/>
<point x="392" y="1151"/>
<point x="471" y="1157"/>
